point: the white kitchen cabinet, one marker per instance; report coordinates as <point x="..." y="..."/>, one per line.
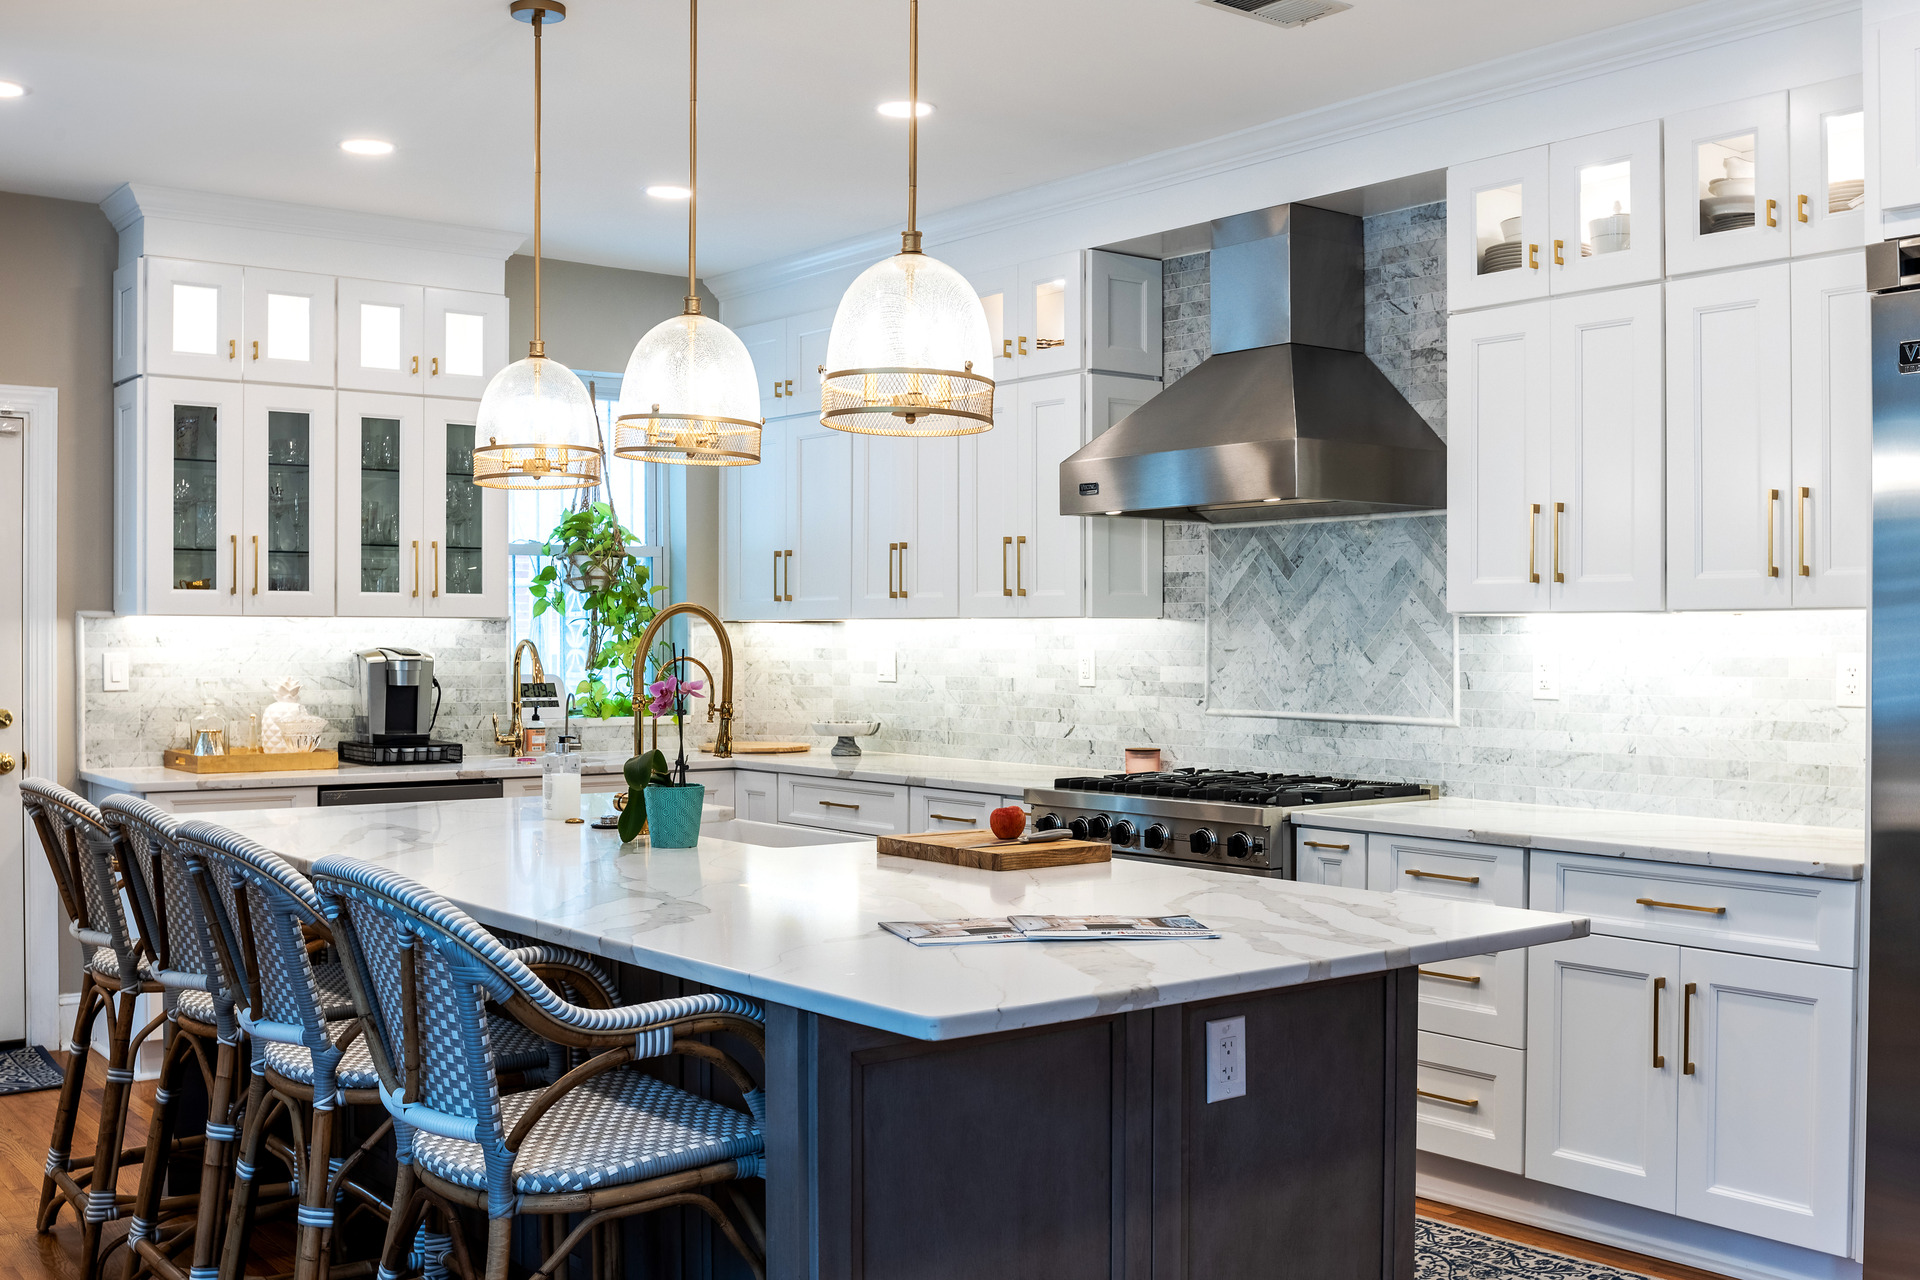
<point x="1124" y="315"/>
<point x="1498" y="458"/>
<point x="1895" y="48"/>
<point x="192" y="802"/>
<point x="1728" y="185"/>
<point x="287" y="327"/>
<point x="287" y="451"/>
<point x="1729" y="440"/>
<point x="1019" y="557"/>
<point x="192" y="321"/>
<point x="1330" y="857"/>
<point x="465" y="341"/>
<point x="1125" y="556"/>
<point x="1470" y="1100"/>
<point x="1070" y="311"/>
<point x="756" y="795"/>
<point x="787" y="526"/>
<point x="840" y="804"/>
<point x="999" y="291"/>
<point x="1602" y="1061"/>
<point x="1765" y="1087"/>
<point x="1827" y="167"/>
<point x="382" y="486"/>
<point x="754" y="529"/>
<point x="465" y="525"/>
<point x="1596" y="180"/>
<point x="787" y="357"/>
<point x="1832" y="484"/>
<point x="405" y="338"/>
<point x="936" y="809"/>
<point x="766" y="345"/>
<point x="1498" y="230"/>
<point x="906" y="526"/>
<point x="1048" y="338"/>
<point x="181" y="445"/>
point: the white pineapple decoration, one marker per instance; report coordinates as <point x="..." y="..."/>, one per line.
<point x="283" y="717"/>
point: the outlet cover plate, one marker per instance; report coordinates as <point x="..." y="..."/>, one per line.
<point x="1850" y="680"/>
<point x="889" y="672"/>
<point x="1226" y="1059"/>
<point x="1086" y="669"/>
<point x="1546" y="679"/>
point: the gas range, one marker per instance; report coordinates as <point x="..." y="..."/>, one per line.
<point x="1234" y="819"/>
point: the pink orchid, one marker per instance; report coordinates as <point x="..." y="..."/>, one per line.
<point x="668" y="689"/>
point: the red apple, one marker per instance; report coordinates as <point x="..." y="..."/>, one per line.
<point x="1008" y="823"/>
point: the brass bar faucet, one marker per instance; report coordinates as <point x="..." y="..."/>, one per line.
<point x="723" y="739"/>
<point x="511" y="738"/>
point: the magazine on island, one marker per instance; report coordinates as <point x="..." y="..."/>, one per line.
<point x="937" y="933"/>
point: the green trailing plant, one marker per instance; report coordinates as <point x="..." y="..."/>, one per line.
<point x="586" y="556"/>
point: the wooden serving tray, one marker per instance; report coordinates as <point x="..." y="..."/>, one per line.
<point x="249" y="761"/>
<point x="764" y="748"/>
<point x="968" y="849"/>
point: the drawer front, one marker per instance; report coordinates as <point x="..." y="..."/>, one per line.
<point x="1749" y="912"/>
<point x="593" y="784"/>
<point x="756" y="795"/>
<point x="189" y="802"/>
<point x="1477" y="998"/>
<point x="719" y="785"/>
<point x="1495" y="874"/>
<point x="934" y="809"/>
<point x="1471" y="1103"/>
<point x="862" y="808"/>
<point x="1330" y="857"/>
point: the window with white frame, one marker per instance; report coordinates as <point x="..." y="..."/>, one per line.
<point x="639" y="501"/>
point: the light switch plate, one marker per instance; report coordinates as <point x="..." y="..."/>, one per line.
<point x="1850" y="680"/>
<point x="1546" y="679"/>
<point x="1226" y="1059"/>
<point x="1086" y="669"/>
<point x="115" y="671"/>
<point x="889" y="672"/>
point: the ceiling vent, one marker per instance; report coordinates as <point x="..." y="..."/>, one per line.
<point x="1283" y="13"/>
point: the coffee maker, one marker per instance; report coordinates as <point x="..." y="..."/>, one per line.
<point x="399" y="701"/>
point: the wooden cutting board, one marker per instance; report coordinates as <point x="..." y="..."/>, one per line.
<point x="764" y="748"/>
<point x="970" y="849"/>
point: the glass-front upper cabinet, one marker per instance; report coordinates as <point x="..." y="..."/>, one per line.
<point x="380" y="519"/>
<point x="999" y="291"/>
<point x="382" y="337"/>
<point x="192" y="319"/>
<point x="465" y="341"/>
<point x="1606" y="211"/>
<point x="287" y="322"/>
<point x="466" y="526"/>
<point x="1497" y="230"/>
<point x="1727" y="185"/>
<point x="1048" y="337"/>
<point x="1828" y="166"/>
<point x="287" y="501"/>
<point x="190" y="490"/>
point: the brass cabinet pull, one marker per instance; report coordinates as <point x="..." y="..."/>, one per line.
<point x="1773" y="570"/>
<point x="1006" y="588"/>
<point x="836" y="804"/>
<point x="776" y="577"/>
<point x="893" y="549"/>
<point x="1803" y="208"/>
<point x="256" y="564"/>
<point x="1320" y="844"/>
<point x="1533" y="540"/>
<point x="1681" y="906"/>
<point x="1659" y="1062"/>
<point x="1533" y="257"/>
<point x="1020" y="565"/>
<point x="416" y="568"/>
<point x="786" y="575"/>
<point x="232" y="354"/>
<point x="1806" y="570"/>
<point x="789" y="388"/>
<point x="435" y="557"/>
<point x="1558" y="245"/>
<point x="1006" y="348"/>
<point x="435" y="368"/>
<point x="1441" y="875"/>
<point x="416" y="364"/>
<point x="1471" y="979"/>
<point x="947" y="817"/>
<point x="256" y="348"/>
<point x="1441" y="1097"/>
<point x="1686" y="1028"/>
<point x="1771" y="206"/>
<point x="903" y="571"/>
<point x="233" y="585"/>
<point x="1023" y="344"/>
<point x="1559" y="509"/>
<point x="776" y="388"/>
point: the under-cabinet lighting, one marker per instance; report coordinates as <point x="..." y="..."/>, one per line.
<point x="667" y="191"/>
<point x="366" y="147"/>
<point x="8" y="89"/>
<point x="898" y="110"/>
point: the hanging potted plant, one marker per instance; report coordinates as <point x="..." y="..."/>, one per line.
<point x="586" y="555"/>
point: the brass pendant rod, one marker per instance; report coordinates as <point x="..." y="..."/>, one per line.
<point x="693" y="145"/>
<point x="913" y="117"/>
<point x="538" y="347"/>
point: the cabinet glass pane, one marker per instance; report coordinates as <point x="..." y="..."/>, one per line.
<point x="1050" y="314"/>
<point x="289" y="327"/>
<point x="379" y="336"/>
<point x="466" y="338"/>
<point x="1724" y="170"/>
<point x="1496" y="229"/>
<point x="464" y="535"/>
<point x="1846" y="139"/>
<point x="196" y="319"/>
<point x="996" y="309"/>
<point x="289" y="505"/>
<point x="380" y="505"/>
<point x="1606" y="208"/>
<point x="196" y="457"/>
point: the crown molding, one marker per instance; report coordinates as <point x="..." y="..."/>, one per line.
<point x="136" y="200"/>
<point x="1684" y="31"/>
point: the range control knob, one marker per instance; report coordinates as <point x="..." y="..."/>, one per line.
<point x="1098" y="827"/>
<point x="1155" y="837"/>
<point x="1080" y="828"/>
<point x="1239" y="845"/>
<point x="1123" y="832"/>
<point x="1051" y="822"/>
<point x="1202" y="841"/>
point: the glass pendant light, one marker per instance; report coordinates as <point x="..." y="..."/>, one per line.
<point x="910" y="353"/>
<point x="536" y="416"/>
<point x="690" y="395"/>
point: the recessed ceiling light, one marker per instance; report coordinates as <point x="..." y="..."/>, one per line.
<point x="8" y="89"/>
<point x="667" y="191"/>
<point x="898" y="110"/>
<point x="366" y="147"/>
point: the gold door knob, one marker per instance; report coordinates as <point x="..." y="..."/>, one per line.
<point x="6" y="763"/>
<point x="6" y="718"/>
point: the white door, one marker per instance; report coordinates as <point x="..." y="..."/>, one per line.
<point x="1603" y="1056"/>
<point x="1727" y="188"/>
<point x="990" y="495"/>
<point x="193" y="318"/>
<point x="382" y="337"/>
<point x="1828" y="166"/>
<point x="817" y="575"/>
<point x="1498" y="231"/>
<point x="379" y="520"/>
<point x="13" y="845"/>
<point x="1048" y="339"/>
<point x="754" y="527"/>
<point x="465" y="341"/>
<point x="288" y="327"/>
<point x="1832" y="495"/>
<point x="999" y="291"/>
<point x="1123" y="314"/>
<point x="1766" y="1085"/>
<point x="1606" y="211"/>
<point x="1498" y="469"/>
<point x="806" y="339"/>
<point x="1729" y="440"/>
<point x="1048" y="547"/>
<point x="193" y="443"/>
<point x="288" y="502"/>
<point x="465" y="526"/>
<point x="1896" y="154"/>
<point x="767" y="345"/>
<point x="1125" y="556"/>
<point x="1607" y="547"/>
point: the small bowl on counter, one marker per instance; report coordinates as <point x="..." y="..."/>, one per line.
<point x="846" y="731"/>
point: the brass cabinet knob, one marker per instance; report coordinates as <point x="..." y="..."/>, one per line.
<point x="6" y="763"/>
<point x="6" y="718"/>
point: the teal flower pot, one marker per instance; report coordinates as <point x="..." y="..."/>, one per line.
<point x="673" y="815"/>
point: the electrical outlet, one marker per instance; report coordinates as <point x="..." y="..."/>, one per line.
<point x="889" y="672"/>
<point x="1546" y="679"/>
<point x="1226" y="1059"/>
<point x="1086" y="670"/>
<point x="1850" y="680"/>
<point x="115" y="671"/>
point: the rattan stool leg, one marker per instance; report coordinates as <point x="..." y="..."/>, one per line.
<point x="103" y="1185"/>
<point x="246" y="1160"/>
<point x="216" y="1168"/>
<point x="176" y="1052"/>
<point x="60" y="1143"/>
<point x="499" y="1246"/>
<point x="316" y="1195"/>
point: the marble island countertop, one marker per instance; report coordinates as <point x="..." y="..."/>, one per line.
<point x="800" y="926"/>
<point x="1834" y="853"/>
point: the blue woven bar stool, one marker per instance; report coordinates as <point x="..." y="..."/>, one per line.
<point x="605" y="1141"/>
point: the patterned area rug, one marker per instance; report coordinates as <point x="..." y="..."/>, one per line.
<point x="25" y="1070"/>
<point x="1446" y="1252"/>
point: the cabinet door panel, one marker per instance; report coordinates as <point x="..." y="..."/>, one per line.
<point x="1606" y="209"/>
<point x="382" y="337"/>
<point x="882" y="512"/>
<point x="1896" y="155"/>
<point x="1498" y="471"/>
<point x="1125" y="556"/>
<point x="930" y="558"/>
<point x="767" y="345"/>
<point x="1049" y="338"/>
<point x="990" y="496"/>
<point x="1729" y="441"/>
<point x="1600" y="1112"/>
<point x="194" y="449"/>
<point x="1123" y="314"/>
<point x="756" y="795"/>
<point x="1828" y="166"/>
<point x="1832" y="494"/>
<point x="288" y="321"/>
<point x="1491" y="259"/>
<point x="380" y="520"/>
<point x="288" y="501"/>
<point x="193" y="318"/>
<point x="1047" y="565"/>
<point x="1715" y="217"/>
<point x="806" y="339"/>
<point x="1765" y="1097"/>
<point x="465" y="341"/>
<point x="1330" y="857"/>
<point x="999" y="291"/>
<point x="1471" y="1102"/>
<point x="465" y="526"/>
<point x="1607" y="545"/>
<point x="129" y="323"/>
<point x="754" y="528"/>
<point x="818" y="576"/>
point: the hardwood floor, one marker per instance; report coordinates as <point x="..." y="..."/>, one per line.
<point x="1554" y="1242"/>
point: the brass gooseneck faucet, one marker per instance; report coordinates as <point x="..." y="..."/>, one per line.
<point x="723" y="739"/>
<point x="514" y="730"/>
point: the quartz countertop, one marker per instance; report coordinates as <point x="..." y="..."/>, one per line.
<point x="800" y="926"/>
<point x="1835" y="853"/>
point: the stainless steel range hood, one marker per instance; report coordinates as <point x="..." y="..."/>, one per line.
<point x="1288" y="418"/>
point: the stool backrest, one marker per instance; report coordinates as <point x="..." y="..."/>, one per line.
<point x="184" y="957"/>
<point x="84" y="853"/>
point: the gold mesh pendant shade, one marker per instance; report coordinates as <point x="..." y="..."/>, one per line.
<point x="535" y="415"/>
<point x="910" y="352"/>
<point x="690" y="395"/>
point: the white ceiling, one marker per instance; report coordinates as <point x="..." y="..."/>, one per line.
<point x="251" y="97"/>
